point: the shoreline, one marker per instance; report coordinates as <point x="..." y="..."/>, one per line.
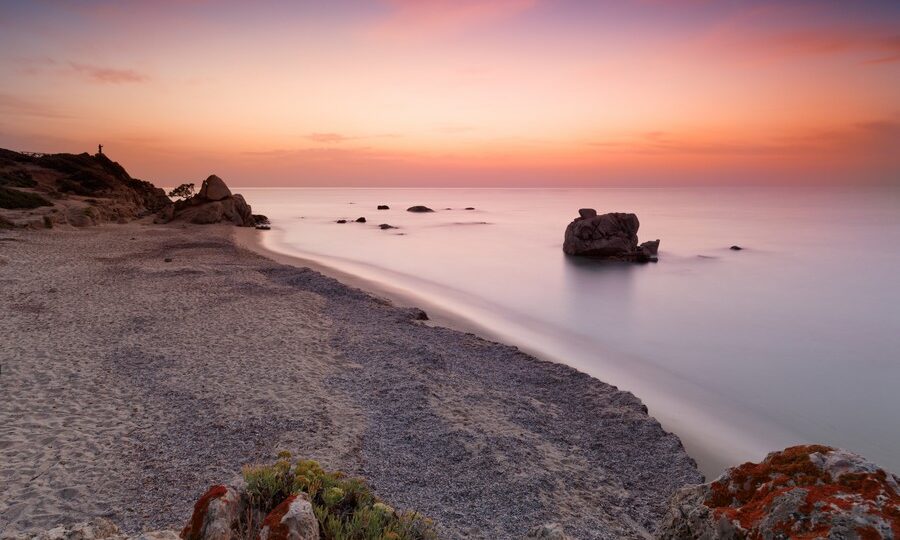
<point x="219" y="357"/>
<point x="711" y="460"/>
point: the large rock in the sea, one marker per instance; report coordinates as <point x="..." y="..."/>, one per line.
<point x="210" y="206"/>
<point x="801" y="492"/>
<point x="216" y="515"/>
<point x="607" y="236"/>
<point x="293" y="519"/>
<point x="214" y="189"/>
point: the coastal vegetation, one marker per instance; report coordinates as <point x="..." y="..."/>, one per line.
<point x="345" y="507"/>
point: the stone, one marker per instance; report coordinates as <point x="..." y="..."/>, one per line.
<point x="735" y="248"/>
<point x="383" y="207"/>
<point x="216" y="515"/>
<point x="360" y="220"/>
<point x="341" y="221"/>
<point x="809" y="491"/>
<point x="98" y="529"/>
<point x="293" y="519"/>
<point x="652" y="246"/>
<point x="549" y="531"/>
<point x="214" y="189"/>
<point x="419" y="209"/>
<point x="607" y="236"/>
<point x="470" y="208"/>
<point x="385" y="226"/>
<point x="205" y="214"/>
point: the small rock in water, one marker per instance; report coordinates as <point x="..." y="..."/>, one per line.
<point x="470" y="208"/>
<point x="383" y="207"/>
<point x="735" y="248"/>
<point x="263" y="227"/>
<point x="167" y="259"/>
<point x="419" y="208"/>
<point x="360" y="220"/>
<point x="385" y="226"/>
<point x="341" y="221"/>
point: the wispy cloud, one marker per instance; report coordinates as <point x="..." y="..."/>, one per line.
<point x="106" y="75"/>
<point x="17" y="106"/>
<point x="872" y="136"/>
<point x="337" y="138"/>
<point x="413" y="19"/>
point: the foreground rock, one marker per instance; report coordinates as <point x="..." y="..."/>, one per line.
<point x="213" y="204"/>
<point x="608" y="236"/>
<point x="293" y="519"/>
<point x="80" y="190"/>
<point x="801" y="492"/>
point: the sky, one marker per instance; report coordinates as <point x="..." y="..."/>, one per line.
<point x="460" y="92"/>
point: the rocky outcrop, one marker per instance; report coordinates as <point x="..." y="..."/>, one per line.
<point x="293" y="519"/>
<point x="213" y="204"/>
<point x="800" y="492"/>
<point x="419" y="209"/>
<point x="63" y="187"/>
<point x="214" y="189"/>
<point x="608" y="236"/>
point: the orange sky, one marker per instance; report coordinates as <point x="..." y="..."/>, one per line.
<point x="460" y="92"/>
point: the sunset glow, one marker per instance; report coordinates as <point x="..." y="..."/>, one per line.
<point x="460" y="92"/>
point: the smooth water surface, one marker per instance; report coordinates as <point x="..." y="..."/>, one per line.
<point x="794" y="339"/>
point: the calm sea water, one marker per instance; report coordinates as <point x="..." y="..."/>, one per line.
<point x="794" y="339"/>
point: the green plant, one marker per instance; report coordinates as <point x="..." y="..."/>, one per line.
<point x="345" y="507"/>
<point x="13" y="198"/>
<point x="184" y="191"/>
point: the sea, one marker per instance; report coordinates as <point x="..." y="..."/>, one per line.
<point x="793" y="339"/>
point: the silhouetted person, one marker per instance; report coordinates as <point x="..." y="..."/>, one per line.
<point x="99" y="148"/>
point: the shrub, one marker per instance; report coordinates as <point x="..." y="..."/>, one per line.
<point x="345" y="507"/>
<point x="184" y="191"/>
<point x="13" y="198"/>
<point x="17" y="178"/>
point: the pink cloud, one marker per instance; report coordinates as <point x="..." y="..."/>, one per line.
<point x="426" y="18"/>
<point x="108" y="75"/>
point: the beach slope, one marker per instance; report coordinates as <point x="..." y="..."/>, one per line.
<point x="142" y="363"/>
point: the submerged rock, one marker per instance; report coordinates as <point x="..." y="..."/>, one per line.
<point x="383" y="207"/>
<point x="735" y="248"/>
<point x="419" y="209"/>
<point x="607" y="236"/>
<point x="341" y="221"/>
<point x="800" y="492"/>
<point x="470" y="208"/>
<point x="385" y="226"/>
<point x="360" y="220"/>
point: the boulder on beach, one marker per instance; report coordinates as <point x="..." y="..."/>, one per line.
<point x="383" y="207"/>
<point x="808" y="491"/>
<point x="217" y="514"/>
<point x="293" y="519"/>
<point x="608" y="236"/>
<point x="419" y="209"/>
<point x="213" y="204"/>
<point x="214" y="189"/>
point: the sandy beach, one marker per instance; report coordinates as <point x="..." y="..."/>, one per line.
<point x="130" y="384"/>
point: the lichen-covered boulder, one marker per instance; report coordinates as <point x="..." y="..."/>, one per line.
<point x="216" y="515"/>
<point x="214" y="189"/>
<point x="293" y="519"/>
<point x="801" y="492"/>
<point x="607" y="236"/>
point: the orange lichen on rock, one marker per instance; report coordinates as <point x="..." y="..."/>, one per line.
<point x="276" y="530"/>
<point x="805" y="491"/>
<point x="194" y="528"/>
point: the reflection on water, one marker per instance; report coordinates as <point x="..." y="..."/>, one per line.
<point x="793" y="339"/>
